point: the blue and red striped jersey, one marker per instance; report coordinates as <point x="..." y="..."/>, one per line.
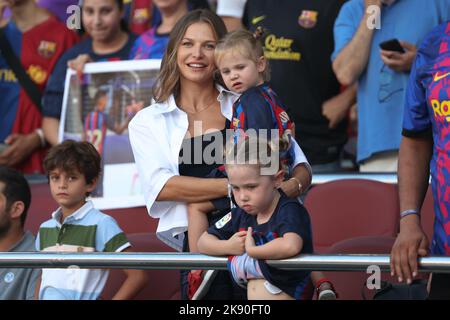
<point x="95" y="129"/>
<point x="260" y="108"/>
<point x="428" y="109"/>
<point x="38" y="49"/>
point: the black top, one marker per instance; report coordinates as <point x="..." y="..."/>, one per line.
<point x="200" y="155"/>
<point x="299" y="43"/>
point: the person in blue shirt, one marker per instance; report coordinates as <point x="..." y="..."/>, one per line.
<point x="381" y="75"/>
<point x="266" y="225"/>
<point x="141" y="15"/>
<point x="425" y="150"/>
<point x="153" y="42"/>
<point x="38" y="40"/>
<point x="107" y="41"/>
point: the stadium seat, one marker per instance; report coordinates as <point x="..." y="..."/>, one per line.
<point x="162" y="284"/>
<point x="133" y="220"/>
<point x="42" y="205"/>
<point x="344" y="209"/>
<point x="351" y="284"/>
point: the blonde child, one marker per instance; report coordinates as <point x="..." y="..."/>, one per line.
<point x="265" y="225"/>
<point x="243" y="68"/>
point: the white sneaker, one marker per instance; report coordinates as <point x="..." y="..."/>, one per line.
<point x="327" y="295"/>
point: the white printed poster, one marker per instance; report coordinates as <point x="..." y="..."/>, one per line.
<point x="97" y="108"/>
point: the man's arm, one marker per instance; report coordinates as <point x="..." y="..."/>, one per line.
<point x="413" y="175"/>
<point x="337" y="108"/>
<point x="352" y="59"/>
<point x="414" y="171"/>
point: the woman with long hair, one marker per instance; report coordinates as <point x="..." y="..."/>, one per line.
<point x="188" y="118"/>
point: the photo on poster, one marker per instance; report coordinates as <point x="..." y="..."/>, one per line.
<point x="98" y="108"/>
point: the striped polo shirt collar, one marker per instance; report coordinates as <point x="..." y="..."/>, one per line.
<point x="77" y="215"/>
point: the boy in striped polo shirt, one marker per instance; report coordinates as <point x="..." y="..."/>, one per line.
<point x="73" y="169"/>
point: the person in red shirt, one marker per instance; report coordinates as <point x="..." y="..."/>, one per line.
<point x="38" y="39"/>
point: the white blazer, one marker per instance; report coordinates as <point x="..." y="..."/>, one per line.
<point x="156" y="135"/>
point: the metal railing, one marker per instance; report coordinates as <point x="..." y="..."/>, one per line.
<point x="162" y="260"/>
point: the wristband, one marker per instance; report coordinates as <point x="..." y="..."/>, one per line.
<point x="40" y="133"/>
<point x="409" y="212"/>
<point x="299" y="184"/>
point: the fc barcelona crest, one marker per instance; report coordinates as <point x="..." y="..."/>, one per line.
<point x="308" y="19"/>
<point x="141" y="16"/>
<point x="47" y="49"/>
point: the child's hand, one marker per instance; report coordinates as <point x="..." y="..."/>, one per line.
<point x="249" y="241"/>
<point x="237" y="243"/>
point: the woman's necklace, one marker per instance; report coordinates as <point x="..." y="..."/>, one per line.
<point x="201" y="109"/>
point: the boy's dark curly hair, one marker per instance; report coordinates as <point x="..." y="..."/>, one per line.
<point x="70" y="156"/>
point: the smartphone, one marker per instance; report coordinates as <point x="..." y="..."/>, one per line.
<point x="392" y="45"/>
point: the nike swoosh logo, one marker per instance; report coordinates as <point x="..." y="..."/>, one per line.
<point x="258" y="19"/>
<point x="439" y="77"/>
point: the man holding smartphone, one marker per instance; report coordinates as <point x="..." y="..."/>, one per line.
<point x="381" y="75"/>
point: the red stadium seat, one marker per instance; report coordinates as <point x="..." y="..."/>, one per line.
<point x="162" y="284"/>
<point x="349" y="284"/>
<point x="351" y="208"/>
<point x="133" y="220"/>
<point x="42" y="205"/>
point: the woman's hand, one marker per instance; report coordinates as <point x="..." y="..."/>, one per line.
<point x="298" y="183"/>
<point x="291" y="188"/>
